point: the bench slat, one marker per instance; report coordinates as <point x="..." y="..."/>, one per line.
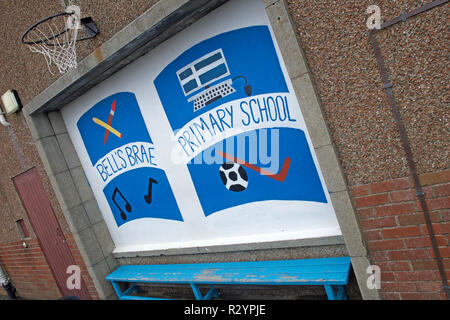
<point x="335" y="262"/>
<point x="332" y="271"/>
<point x="129" y="271"/>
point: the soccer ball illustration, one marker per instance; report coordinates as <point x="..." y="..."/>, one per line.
<point x="233" y="176"/>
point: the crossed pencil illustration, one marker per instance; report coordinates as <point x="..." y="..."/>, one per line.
<point x="107" y="126"/>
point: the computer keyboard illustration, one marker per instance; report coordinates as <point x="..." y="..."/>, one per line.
<point x="212" y="94"/>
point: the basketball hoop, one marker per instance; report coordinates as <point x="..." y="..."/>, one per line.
<point x="55" y="38"/>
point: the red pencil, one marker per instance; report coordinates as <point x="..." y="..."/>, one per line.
<point x="110" y="118"/>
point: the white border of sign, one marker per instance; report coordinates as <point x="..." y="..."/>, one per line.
<point x="252" y="222"/>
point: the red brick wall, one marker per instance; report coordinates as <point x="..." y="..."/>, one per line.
<point x="28" y="270"/>
<point x="398" y="241"/>
<point x="30" y="273"/>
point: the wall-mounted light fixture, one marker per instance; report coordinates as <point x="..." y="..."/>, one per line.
<point x="11" y="103"/>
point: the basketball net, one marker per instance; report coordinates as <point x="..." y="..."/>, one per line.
<point x="59" y="48"/>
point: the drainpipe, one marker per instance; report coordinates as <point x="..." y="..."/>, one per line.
<point x="3" y="120"/>
<point x="7" y="285"/>
<point x="387" y="85"/>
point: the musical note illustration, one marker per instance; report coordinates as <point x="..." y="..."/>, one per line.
<point x="148" y="196"/>
<point x="127" y="204"/>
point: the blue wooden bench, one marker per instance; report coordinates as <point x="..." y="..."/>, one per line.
<point x="332" y="273"/>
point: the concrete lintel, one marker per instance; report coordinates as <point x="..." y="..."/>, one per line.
<point x="51" y="155"/>
<point x="39" y="125"/>
<point x="311" y="110"/>
<point x="332" y="172"/>
<point x="65" y="190"/>
<point x="68" y="150"/>
<point x="349" y="224"/>
<point x="98" y="273"/>
<point x="57" y="122"/>
<point x="287" y="40"/>
<point x="269" y="2"/>
<point x="325" y="241"/>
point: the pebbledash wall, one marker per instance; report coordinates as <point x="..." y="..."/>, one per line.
<point x="335" y="76"/>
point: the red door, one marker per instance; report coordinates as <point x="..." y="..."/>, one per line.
<point x="48" y="230"/>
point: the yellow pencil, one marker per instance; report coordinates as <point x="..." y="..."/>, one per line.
<point x="107" y="127"/>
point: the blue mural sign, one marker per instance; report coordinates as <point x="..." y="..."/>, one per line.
<point x="201" y="142"/>
<point x="125" y="160"/>
<point x="228" y="105"/>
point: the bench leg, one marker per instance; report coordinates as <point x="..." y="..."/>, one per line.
<point x="132" y="288"/>
<point x="339" y="295"/>
<point x="117" y="289"/>
<point x="212" y="293"/>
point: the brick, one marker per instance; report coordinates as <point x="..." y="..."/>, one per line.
<point x="429" y="286"/>
<point x="366" y="213"/>
<point x="398" y="287"/>
<point x="384" y="186"/>
<point x="423" y="242"/>
<point x="379" y="256"/>
<point x="443" y="251"/>
<point x="391" y="296"/>
<point x="411" y="254"/>
<point x="442" y="228"/>
<point x="424" y="265"/>
<point x="429" y="193"/>
<point x="360" y="191"/>
<point x="403" y="195"/>
<point x="395" y="209"/>
<point x="442" y="190"/>
<point x="394" y="266"/>
<point x="410" y="195"/>
<point x="411" y="219"/>
<point x="378" y="223"/>
<point x="372" y="235"/>
<point x="423" y="275"/>
<point x="386" y="245"/>
<point x="401" y="232"/>
<point x="445" y="215"/>
<point x="370" y="201"/>
<point x="441" y="203"/>
<point x="387" y="276"/>
<point x="438" y="228"/>
<point x="418" y="218"/>
<point x="420" y="296"/>
<point x="434" y="178"/>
